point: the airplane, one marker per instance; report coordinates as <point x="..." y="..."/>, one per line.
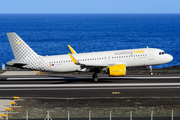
<point x="113" y="63"/>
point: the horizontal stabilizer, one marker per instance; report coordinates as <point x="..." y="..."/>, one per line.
<point x="15" y="63"/>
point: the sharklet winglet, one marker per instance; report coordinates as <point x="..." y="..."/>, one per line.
<point x="72" y="50"/>
<point x="73" y="59"/>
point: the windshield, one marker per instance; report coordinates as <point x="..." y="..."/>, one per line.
<point x="161" y="53"/>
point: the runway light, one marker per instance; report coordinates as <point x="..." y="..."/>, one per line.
<point x="16" y="98"/>
<point x="9" y="109"/>
<point x="177" y="87"/>
<point x="12" y="103"/>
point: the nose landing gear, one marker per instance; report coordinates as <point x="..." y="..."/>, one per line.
<point x="151" y="73"/>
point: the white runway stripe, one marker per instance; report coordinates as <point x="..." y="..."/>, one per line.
<point x="101" y="88"/>
<point x="92" y="85"/>
<point x="59" y="78"/>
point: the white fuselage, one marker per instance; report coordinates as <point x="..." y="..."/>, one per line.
<point x="131" y="58"/>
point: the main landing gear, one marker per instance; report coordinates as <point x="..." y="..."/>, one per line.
<point x="95" y="76"/>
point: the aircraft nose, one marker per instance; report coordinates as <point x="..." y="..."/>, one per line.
<point x="170" y="58"/>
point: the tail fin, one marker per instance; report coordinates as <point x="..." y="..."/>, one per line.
<point x="20" y="49"/>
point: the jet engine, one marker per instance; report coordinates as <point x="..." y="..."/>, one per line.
<point x="117" y="70"/>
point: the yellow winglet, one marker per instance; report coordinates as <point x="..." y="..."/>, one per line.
<point x="73" y="59"/>
<point x="72" y="50"/>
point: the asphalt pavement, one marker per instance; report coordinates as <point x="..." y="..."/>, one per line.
<point x="66" y="85"/>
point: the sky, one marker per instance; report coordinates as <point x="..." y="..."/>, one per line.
<point x="89" y="6"/>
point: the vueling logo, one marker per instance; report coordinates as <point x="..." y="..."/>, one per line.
<point x="138" y="51"/>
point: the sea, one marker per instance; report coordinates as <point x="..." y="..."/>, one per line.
<point x="49" y="34"/>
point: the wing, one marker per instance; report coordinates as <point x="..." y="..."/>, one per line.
<point x="93" y="66"/>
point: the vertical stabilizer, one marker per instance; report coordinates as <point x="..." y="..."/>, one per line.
<point x="21" y="51"/>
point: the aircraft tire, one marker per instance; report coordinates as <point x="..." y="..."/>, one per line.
<point x="95" y="77"/>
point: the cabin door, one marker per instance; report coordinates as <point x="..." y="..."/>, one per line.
<point x="151" y="56"/>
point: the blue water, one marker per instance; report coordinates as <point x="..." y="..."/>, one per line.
<point x="49" y="34"/>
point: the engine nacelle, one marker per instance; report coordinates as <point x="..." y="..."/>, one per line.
<point x="117" y="70"/>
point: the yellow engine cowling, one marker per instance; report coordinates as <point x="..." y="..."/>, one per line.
<point x="117" y="70"/>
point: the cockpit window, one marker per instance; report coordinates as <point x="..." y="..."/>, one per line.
<point x="161" y="53"/>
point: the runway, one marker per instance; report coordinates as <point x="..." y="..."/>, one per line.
<point x="82" y="86"/>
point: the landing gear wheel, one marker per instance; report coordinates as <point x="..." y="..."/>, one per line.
<point x="95" y="77"/>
